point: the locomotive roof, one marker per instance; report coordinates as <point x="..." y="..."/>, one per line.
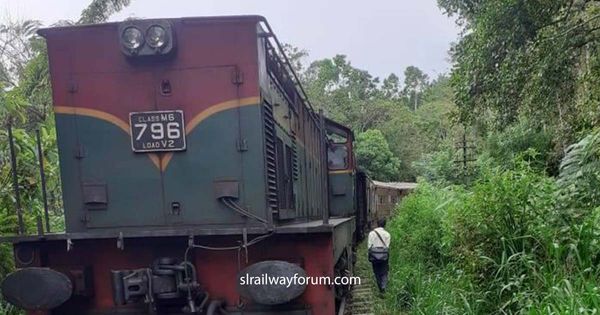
<point x="197" y="19"/>
<point x="340" y="126"/>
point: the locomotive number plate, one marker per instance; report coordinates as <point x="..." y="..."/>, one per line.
<point x="157" y="131"/>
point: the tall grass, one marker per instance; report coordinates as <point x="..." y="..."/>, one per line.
<point x="511" y="243"/>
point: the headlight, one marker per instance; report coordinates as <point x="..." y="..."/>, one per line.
<point x="156" y="36"/>
<point x="132" y="38"/>
<point x="140" y="39"/>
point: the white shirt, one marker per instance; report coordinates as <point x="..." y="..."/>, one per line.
<point x="374" y="240"/>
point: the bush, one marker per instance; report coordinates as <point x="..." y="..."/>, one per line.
<point x="438" y="167"/>
<point x="424" y="280"/>
<point x="504" y="245"/>
<point x="499" y="233"/>
<point x="522" y="141"/>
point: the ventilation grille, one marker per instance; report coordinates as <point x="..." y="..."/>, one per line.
<point x="295" y="168"/>
<point x="270" y="156"/>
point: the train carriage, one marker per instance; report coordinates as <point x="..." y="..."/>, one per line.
<point x="385" y="197"/>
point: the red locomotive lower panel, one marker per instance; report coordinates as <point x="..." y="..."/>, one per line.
<point x="217" y="270"/>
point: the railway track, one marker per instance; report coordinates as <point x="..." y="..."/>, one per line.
<point x="361" y="298"/>
<point x="360" y="301"/>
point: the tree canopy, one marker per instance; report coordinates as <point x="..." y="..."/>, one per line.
<point x="363" y="102"/>
<point x="415" y="82"/>
<point x="374" y="155"/>
<point x="535" y="59"/>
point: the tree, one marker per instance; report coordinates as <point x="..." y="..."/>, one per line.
<point x="16" y="49"/>
<point x="391" y="87"/>
<point x="100" y="10"/>
<point x="413" y="134"/>
<point x="347" y="94"/>
<point x="415" y="82"/>
<point x="373" y="154"/>
<point x="296" y="57"/>
<point x="535" y="58"/>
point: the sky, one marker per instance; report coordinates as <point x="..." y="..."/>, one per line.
<point x="380" y="36"/>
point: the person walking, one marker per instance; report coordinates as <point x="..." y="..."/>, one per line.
<point x="378" y="244"/>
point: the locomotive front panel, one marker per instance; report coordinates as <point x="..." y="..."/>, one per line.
<point x="160" y="137"/>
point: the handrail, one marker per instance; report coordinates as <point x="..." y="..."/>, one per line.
<point x="290" y="68"/>
<point x="13" y="165"/>
<point x="21" y="228"/>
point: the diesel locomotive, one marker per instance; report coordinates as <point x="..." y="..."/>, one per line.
<point x="190" y="158"/>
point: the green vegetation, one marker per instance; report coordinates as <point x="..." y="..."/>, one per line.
<point x="518" y="232"/>
<point x="516" y="241"/>
<point x="373" y="153"/>
<point x="528" y="59"/>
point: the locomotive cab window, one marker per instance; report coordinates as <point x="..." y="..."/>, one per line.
<point x="334" y="137"/>
<point x="338" y="156"/>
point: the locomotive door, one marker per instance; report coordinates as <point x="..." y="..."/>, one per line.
<point x="118" y="187"/>
<point x="216" y="146"/>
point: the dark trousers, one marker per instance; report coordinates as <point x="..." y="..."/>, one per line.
<point x="380" y="269"/>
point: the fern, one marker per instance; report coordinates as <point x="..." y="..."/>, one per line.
<point x="579" y="176"/>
